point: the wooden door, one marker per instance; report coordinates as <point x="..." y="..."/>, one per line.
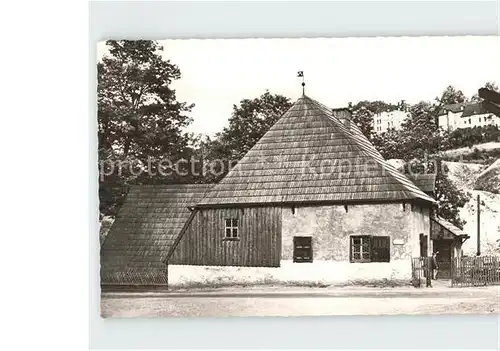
<point x="423" y="245"/>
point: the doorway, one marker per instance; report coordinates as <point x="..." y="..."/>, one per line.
<point x="443" y="258"/>
<point x="423" y="245"/>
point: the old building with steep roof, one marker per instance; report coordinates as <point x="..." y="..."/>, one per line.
<point x="311" y="196"/>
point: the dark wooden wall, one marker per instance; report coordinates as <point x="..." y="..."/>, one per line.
<point x="259" y="243"/>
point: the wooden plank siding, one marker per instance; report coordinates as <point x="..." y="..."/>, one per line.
<point x="259" y="244"/>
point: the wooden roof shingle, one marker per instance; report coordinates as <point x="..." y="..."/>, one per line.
<point x="309" y="155"/>
<point x="449" y="227"/>
<point x="145" y="229"/>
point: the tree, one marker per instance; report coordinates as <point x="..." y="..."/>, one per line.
<point x="492" y="86"/>
<point x="140" y="121"/>
<point x="450" y="198"/>
<point x="451" y="96"/>
<point x="249" y="121"/>
<point x="389" y="144"/>
<point x="488" y="85"/>
<point x="407" y="142"/>
<point x="420" y="133"/>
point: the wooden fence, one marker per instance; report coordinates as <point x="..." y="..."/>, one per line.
<point x="421" y="271"/>
<point x="475" y="271"/>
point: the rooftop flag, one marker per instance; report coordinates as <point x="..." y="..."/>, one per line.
<point x="301" y="74"/>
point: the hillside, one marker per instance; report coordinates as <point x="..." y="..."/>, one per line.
<point x="465" y="175"/>
<point x="489" y="179"/>
<point x="485" y="153"/>
<point x="489" y="146"/>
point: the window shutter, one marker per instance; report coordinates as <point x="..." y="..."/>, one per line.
<point x="381" y="249"/>
<point x="350" y="249"/>
<point x="302" y="249"/>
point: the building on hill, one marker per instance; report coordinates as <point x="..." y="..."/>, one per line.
<point x="312" y="197"/>
<point x="466" y="115"/>
<point x="386" y="120"/>
<point x="449" y="116"/>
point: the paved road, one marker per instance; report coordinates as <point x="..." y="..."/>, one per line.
<point x="303" y="302"/>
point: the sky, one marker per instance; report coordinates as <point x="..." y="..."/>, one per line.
<point x="217" y="73"/>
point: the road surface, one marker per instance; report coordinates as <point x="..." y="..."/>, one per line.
<point x="303" y="302"/>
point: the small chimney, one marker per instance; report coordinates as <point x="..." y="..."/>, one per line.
<point x="344" y="115"/>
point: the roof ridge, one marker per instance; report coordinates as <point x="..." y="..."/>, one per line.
<point x="370" y="149"/>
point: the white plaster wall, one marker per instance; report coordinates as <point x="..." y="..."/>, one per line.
<point x="455" y="121"/>
<point x="331" y="227"/>
<point x="321" y="272"/>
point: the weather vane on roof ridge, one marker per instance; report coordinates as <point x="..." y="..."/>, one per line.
<point x="301" y="74"/>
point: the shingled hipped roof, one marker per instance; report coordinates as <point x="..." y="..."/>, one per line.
<point x="309" y="155"/>
<point x="144" y="230"/>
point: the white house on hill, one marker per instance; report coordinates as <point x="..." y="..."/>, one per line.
<point x="467" y="115"/>
<point x="386" y="120"/>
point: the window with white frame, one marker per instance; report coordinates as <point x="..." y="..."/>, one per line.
<point x="231" y="230"/>
<point x="360" y="249"/>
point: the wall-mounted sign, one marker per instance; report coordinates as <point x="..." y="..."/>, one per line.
<point x="398" y="242"/>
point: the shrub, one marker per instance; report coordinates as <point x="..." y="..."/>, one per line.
<point x="471" y="136"/>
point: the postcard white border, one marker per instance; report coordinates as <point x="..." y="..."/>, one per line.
<point x="164" y="20"/>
